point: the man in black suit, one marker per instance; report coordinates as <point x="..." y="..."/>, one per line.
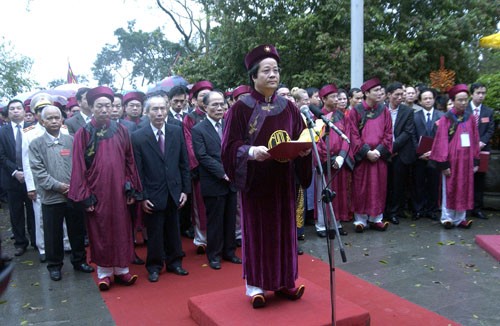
<point x="486" y="126"/>
<point x="218" y="194"/>
<point x="426" y="176"/>
<point x="403" y="151"/>
<point x="82" y="117"/>
<point x="12" y="178"/>
<point x="162" y="163"/>
<point x="178" y="100"/>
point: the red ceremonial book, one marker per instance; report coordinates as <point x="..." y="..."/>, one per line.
<point x="424" y="145"/>
<point x="484" y="159"/>
<point x="288" y="150"/>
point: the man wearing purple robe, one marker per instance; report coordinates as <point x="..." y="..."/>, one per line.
<point x="255" y="124"/>
<point x="456" y="152"/>
<point x="104" y="178"/>
<point x="371" y="141"/>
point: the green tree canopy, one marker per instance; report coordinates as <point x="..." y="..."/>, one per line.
<point x="14" y="69"/>
<point x="147" y="55"/>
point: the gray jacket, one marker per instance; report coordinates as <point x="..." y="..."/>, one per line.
<point x="51" y="165"/>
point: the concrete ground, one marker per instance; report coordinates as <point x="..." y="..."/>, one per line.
<point x="441" y="270"/>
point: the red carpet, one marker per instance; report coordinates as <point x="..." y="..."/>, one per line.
<point x="490" y="243"/>
<point x="166" y="302"/>
<point x="212" y="309"/>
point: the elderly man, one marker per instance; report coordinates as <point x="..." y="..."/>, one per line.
<point x="50" y="160"/>
<point x="218" y="194"/>
<point x="116" y="114"/>
<point x="104" y="178"/>
<point x="38" y="102"/>
<point x="162" y="162"/>
<point x="456" y="152"/>
<point x="255" y="124"/>
<point x="199" y="90"/>
<point x="371" y="137"/>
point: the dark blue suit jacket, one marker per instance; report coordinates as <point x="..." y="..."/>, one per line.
<point x="207" y="148"/>
<point x="162" y="175"/>
<point x="486" y="124"/>
<point x="404" y="135"/>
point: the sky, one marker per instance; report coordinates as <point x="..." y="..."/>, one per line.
<point x="51" y="32"/>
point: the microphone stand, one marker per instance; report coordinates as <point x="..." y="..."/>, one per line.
<point x="331" y="225"/>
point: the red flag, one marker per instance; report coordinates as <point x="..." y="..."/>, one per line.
<point x="71" y="78"/>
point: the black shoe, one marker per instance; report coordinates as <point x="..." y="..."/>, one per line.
<point x="214" y="264"/>
<point x="417" y="216"/>
<point x="480" y="215"/>
<point x="43" y="258"/>
<point x="153" y="276"/>
<point x="67" y="252"/>
<point x="19" y="251"/>
<point x="301" y="237"/>
<point x="177" y="270"/>
<point x="342" y="231"/>
<point x="321" y="234"/>
<point x="233" y="259"/>
<point x="188" y="234"/>
<point x="83" y="267"/>
<point x="200" y="249"/>
<point x="138" y="261"/>
<point x="394" y="220"/>
<point x="433" y="216"/>
<point x="55" y="275"/>
<point x="300" y="251"/>
<point x="238" y="243"/>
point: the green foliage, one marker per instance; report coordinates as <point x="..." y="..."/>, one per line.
<point x="403" y="40"/>
<point x="56" y="82"/>
<point x="492" y="99"/>
<point x="147" y="55"/>
<point x="14" y="69"/>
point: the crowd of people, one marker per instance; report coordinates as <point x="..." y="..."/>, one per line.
<point x="105" y="169"/>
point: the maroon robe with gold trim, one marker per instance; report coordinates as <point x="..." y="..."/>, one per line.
<point x="269" y="230"/>
<point x="460" y="160"/>
<point x="340" y="182"/>
<point x="109" y="225"/>
<point x="370" y="179"/>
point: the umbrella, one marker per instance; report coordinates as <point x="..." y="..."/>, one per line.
<point x="69" y="87"/>
<point x="490" y="41"/>
<point x="168" y="83"/>
<point x="57" y="94"/>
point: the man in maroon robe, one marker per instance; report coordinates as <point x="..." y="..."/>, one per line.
<point x="456" y="151"/>
<point x="198" y="215"/>
<point x="255" y="124"/>
<point x="104" y="178"/>
<point x="133" y="103"/>
<point x="371" y="141"/>
<point x="338" y="151"/>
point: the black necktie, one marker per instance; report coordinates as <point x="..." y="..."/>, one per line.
<point x="428" y="124"/>
<point x="19" y="146"/>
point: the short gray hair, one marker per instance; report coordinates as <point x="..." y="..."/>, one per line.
<point x="44" y="114"/>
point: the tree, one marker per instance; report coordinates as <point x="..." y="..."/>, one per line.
<point x="14" y="70"/>
<point x="148" y="56"/>
<point x="403" y="40"/>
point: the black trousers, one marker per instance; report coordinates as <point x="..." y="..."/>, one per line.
<point x="221" y="220"/>
<point x="426" y="179"/>
<point x="164" y="238"/>
<point x="53" y="218"/>
<point x="479" y="179"/>
<point x="398" y="173"/>
<point x="21" y="216"/>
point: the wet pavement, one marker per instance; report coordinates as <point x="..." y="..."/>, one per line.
<point x="441" y="270"/>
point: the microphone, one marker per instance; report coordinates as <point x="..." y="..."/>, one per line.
<point x="317" y="112"/>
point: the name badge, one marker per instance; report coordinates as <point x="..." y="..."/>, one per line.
<point x="65" y="152"/>
<point x="485" y="120"/>
<point x="465" y="140"/>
